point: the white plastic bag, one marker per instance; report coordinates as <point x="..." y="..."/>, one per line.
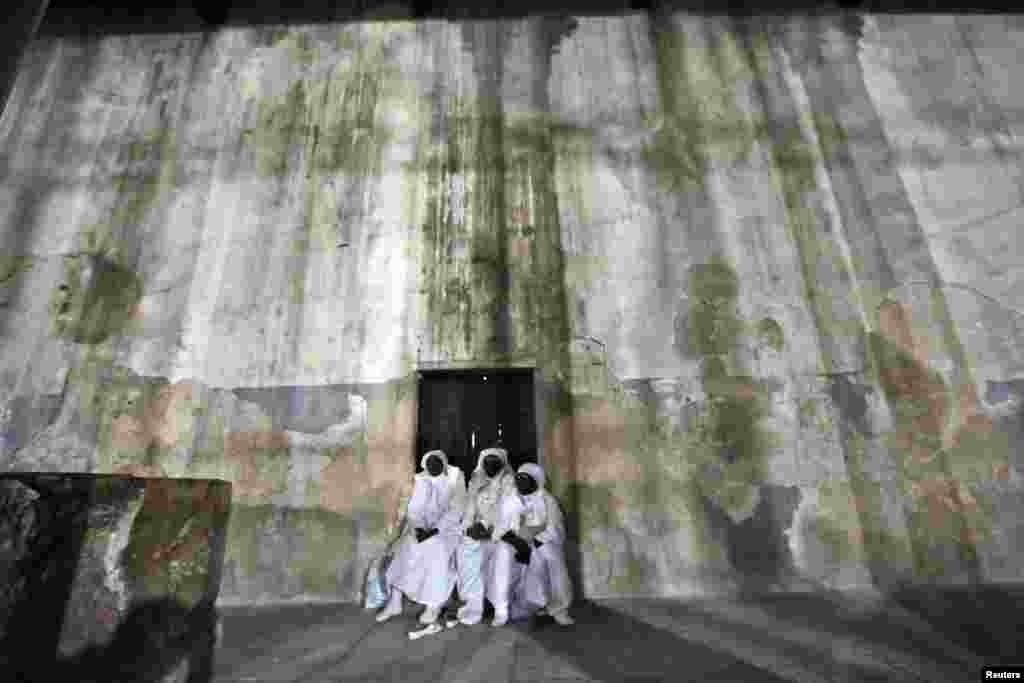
<point x="377" y="590"/>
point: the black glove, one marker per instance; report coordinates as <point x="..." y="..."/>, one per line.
<point x="478" y="532"/>
<point x="424" y="534"/>
<point x="523" y="554"/>
<point x="537" y="543"/>
<point x="523" y="550"/>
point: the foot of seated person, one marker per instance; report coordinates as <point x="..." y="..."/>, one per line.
<point x="392" y="609"/>
<point x="430" y="615"/>
<point x="470" y="617"/>
<point x="562" y="618"/>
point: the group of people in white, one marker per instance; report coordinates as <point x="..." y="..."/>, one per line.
<point x="500" y="540"/>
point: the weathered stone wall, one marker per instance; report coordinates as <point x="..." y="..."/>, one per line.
<point x="765" y="267"/>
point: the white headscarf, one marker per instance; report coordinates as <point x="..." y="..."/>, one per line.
<point x="485" y="491"/>
<point x="535" y="513"/>
<point x="480" y="478"/>
<point x="433" y="496"/>
<point x="426" y="456"/>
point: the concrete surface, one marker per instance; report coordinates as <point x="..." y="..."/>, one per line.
<point x="806" y="638"/>
<point x="766" y="270"/>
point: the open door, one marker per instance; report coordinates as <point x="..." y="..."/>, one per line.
<point x="462" y="412"/>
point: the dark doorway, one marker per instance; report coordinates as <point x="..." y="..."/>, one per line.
<point x="464" y="411"/>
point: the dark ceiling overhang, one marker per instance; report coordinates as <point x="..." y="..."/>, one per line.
<point x="101" y="17"/>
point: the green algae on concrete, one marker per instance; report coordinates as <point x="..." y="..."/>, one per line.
<point x="446" y="237"/>
<point x="836" y="522"/>
<point x="333" y="121"/>
<point x="145" y="426"/>
<point x="490" y="190"/>
<point x="882" y="545"/>
<point x="722" y="457"/>
<point x="730" y="445"/>
<point x="671" y="474"/>
<point x="297" y="45"/>
<point x="713" y="326"/>
<point x="279" y="123"/>
<point x="794" y="160"/>
<point x="88" y="375"/>
<point x="771" y="335"/>
<point x="266" y="469"/>
<point x="348" y="136"/>
<point x="821" y="262"/>
<point x="307" y="544"/>
<point x="148" y="176"/>
<point x="946" y="508"/>
<point x="207" y="457"/>
<point x="138" y="191"/>
<point x="574" y="149"/>
<point x="806" y="410"/>
<point x="699" y="120"/>
<point x="327" y="541"/>
<point x="94" y="300"/>
<point x="631" y="573"/>
<point x="594" y="505"/>
<point x="11" y="268"/>
<point x="677" y="154"/>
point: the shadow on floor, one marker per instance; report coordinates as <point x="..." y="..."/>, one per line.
<point x="789" y="637"/>
<point x="836" y="616"/>
<point x="610" y="645"/>
<point x="987" y="620"/>
<point x="250" y="632"/>
<point x="805" y="638"/>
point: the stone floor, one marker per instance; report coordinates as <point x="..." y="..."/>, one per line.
<point x="780" y="638"/>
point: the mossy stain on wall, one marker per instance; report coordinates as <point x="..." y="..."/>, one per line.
<point x="270" y="546"/>
<point x="94" y="300"/>
<point x="946" y="459"/>
<point x="11" y="267"/>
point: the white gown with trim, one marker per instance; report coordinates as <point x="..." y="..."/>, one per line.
<point x="425" y="572"/>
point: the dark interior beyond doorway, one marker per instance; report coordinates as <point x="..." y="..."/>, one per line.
<point x="464" y="411"/>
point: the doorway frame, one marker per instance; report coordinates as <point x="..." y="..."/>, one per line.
<point x="536" y="379"/>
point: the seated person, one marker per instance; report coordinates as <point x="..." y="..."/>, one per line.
<point x="528" y="568"/>
<point x="423" y="567"/>
<point x="492" y="480"/>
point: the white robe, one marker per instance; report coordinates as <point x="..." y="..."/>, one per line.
<point x="517" y="589"/>
<point x="483" y="504"/>
<point x="425" y="572"/>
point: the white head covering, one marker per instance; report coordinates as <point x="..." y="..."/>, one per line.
<point x="535" y="513"/>
<point x="535" y="471"/>
<point x="432" y="496"/>
<point x="501" y="454"/>
<point x="485" y="491"/>
<point x="444" y="461"/>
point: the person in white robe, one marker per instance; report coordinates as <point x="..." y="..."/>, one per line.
<point x="528" y="572"/>
<point x="423" y="566"/>
<point x="491" y="481"/>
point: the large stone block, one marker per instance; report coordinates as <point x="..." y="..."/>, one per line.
<point x="99" y="568"/>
